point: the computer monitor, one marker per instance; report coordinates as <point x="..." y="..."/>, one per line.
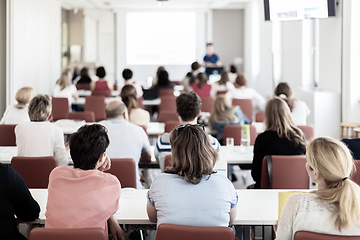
<point x="213" y="70"/>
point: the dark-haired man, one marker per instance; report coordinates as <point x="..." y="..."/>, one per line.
<point x="211" y="59"/>
<point x="127" y="75"/>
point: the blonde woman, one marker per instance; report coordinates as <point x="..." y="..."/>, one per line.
<point x="335" y="207"/>
<point x="65" y="89"/>
<point x="281" y="137"/>
<point x="224" y="84"/>
<point x="18" y="113"/>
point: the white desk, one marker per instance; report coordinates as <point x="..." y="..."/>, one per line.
<point x="81" y="100"/>
<point x="6" y="154"/>
<point x="87" y="93"/>
<point x="154" y="102"/>
<point x="69" y="126"/>
<point x="237" y="155"/>
<point x="155" y="128"/>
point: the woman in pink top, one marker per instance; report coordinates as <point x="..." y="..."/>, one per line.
<point x="101" y="84"/>
<point x="85" y="197"/>
<point x="200" y="85"/>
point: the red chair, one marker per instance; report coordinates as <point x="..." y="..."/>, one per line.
<point x="105" y="93"/>
<point x="356" y="175"/>
<point x="140" y="102"/>
<point x="34" y="170"/>
<point x="207" y="104"/>
<point x="60" y="108"/>
<point x="167" y="162"/>
<point x="180" y="232"/>
<point x="68" y="234"/>
<point x="166" y="92"/>
<point x="221" y="92"/>
<point x="245" y="105"/>
<point x="165" y="116"/>
<point x="170" y="125"/>
<point x="168" y="103"/>
<point x="260" y="117"/>
<point x="125" y="170"/>
<point x="308" y="131"/>
<point x="83" y="86"/>
<point x="96" y="104"/>
<point x="88" y="116"/>
<point x="234" y="131"/>
<point x="304" y="235"/>
<point x="7" y="136"/>
<point x="284" y="172"/>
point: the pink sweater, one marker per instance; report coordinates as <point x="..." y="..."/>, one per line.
<point x="204" y="91"/>
<point x="81" y="199"/>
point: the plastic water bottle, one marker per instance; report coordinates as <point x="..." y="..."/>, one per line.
<point x="245" y="137"/>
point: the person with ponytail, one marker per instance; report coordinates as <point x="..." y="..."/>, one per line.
<point x="335" y="207"/>
<point x="200" y="86"/>
<point x="137" y="115"/>
<point x="299" y="109"/>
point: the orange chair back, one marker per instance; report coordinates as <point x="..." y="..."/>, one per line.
<point x="207" y="104"/>
<point x="105" y="93"/>
<point x="308" y="131"/>
<point x="260" y="117"/>
<point x="284" y="172"/>
<point x="166" y="92"/>
<point x="60" y="108"/>
<point x="7" y="135"/>
<point x="82" y="86"/>
<point x="34" y="170"/>
<point x="167" y="162"/>
<point x="165" y="116"/>
<point x="68" y="234"/>
<point x="87" y="116"/>
<point x="170" y="125"/>
<point x="179" y="232"/>
<point x="356" y="175"/>
<point x="234" y="131"/>
<point x="125" y="170"/>
<point x="304" y="235"/>
<point x="245" y="105"/>
<point x="168" y="103"/>
<point x="96" y="104"/>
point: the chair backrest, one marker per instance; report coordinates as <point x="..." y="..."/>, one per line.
<point x="60" y="108"/>
<point x="260" y="117"/>
<point x="140" y="102"/>
<point x="284" y="172"/>
<point x="68" y="234"/>
<point x="234" y="131"/>
<point x="221" y="92"/>
<point x="308" y="131"/>
<point x="96" y="104"/>
<point x="179" y="232"/>
<point x="166" y="92"/>
<point x="168" y="103"/>
<point x="83" y="86"/>
<point x="356" y="175"/>
<point x="304" y="235"/>
<point x="125" y="170"/>
<point x="7" y="136"/>
<point x="88" y="116"/>
<point x="170" y="125"/>
<point x="165" y="116"/>
<point x="167" y="162"/>
<point x="207" y="104"/>
<point x="34" y="170"/>
<point x="105" y="93"/>
<point x="245" y="105"/>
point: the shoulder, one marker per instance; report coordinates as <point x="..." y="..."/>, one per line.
<point x="164" y="139"/>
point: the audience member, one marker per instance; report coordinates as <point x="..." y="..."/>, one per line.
<point x="137" y="115"/>
<point x="223" y="85"/>
<point x="127" y="75"/>
<point x="18" y="113"/>
<point x="101" y="84"/>
<point x="85" y="197"/>
<point x="65" y="89"/>
<point x="191" y="181"/>
<point x="163" y="80"/>
<point x="211" y="59"/>
<point x="299" y="109"/>
<point x="188" y="107"/>
<point x="335" y="207"/>
<point x="190" y="76"/>
<point x="200" y="86"/>
<point x="233" y="73"/>
<point x="84" y="76"/>
<point x="15" y="199"/>
<point x="126" y="139"/>
<point x="281" y="136"/>
<point x="155" y="79"/>
<point x="40" y="137"/>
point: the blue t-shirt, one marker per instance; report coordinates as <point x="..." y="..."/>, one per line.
<point x="205" y="204"/>
<point x="213" y="58"/>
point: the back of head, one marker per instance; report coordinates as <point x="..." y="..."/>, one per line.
<point x="192" y="154"/>
<point x="127" y="74"/>
<point x="128" y="96"/>
<point x="332" y="160"/>
<point x="240" y="80"/>
<point x="278" y="119"/>
<point x="84" y="72"/>
<point x="224" y="78"/>
<point x="100" y="72"/>
<point x="64" y="80"/>
<point x="40" y="108"/>
<point x="233" y="69"/>
<point x="160" y="69"/>
<point x="222" y="111"/>
<point x="163" y="78"/>
<point x="188" y="106"/>
<point x="87" y="144"/>
<point x="283" y="90"/>
<point x="115" y="109"/>
<point x="23" y="96"/>
<point x="202" y="79"/>
<point x="195" y="66"/>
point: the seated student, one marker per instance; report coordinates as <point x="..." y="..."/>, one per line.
<point x="137" y="115"/>
<point x="85" y="196"/>
<point x="65" y="89"/>
<point x="223" y="114"/>
<point x="200" y="86"/>
<point x="127" y="75"/>
<point x="354" y="146"/>
<point x="156" y="78"/>
<point x="332" y="209"/>
<point x="18" y="113"/>
<point x="190" y="76"/>
<point x="163" y="80"/>
<point x="233" y="73"/>
<point x="190" y="192"/>
<point x="40" y="137"/>
<point x="281" y="137"/>
<point x="188" y="107"/>
<point x="299" y="109"/>
<point x="15" y="199"/>
<point x="84" y="76"/>
<point x="126" y="139"/>
<point x="223" y="84"/>
<point x="101" y="84"/>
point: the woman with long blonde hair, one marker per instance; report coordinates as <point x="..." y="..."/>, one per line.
<point x="65" y="89"/>
<point x="335" y="207"/>
<point x="281" y="136"/>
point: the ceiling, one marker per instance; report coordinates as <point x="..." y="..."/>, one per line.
<point x="153" y="4"/>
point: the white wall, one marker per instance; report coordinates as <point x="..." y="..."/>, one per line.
<point x="2" y="56"/>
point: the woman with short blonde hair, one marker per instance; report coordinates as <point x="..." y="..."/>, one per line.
<point x="335" y="207"/>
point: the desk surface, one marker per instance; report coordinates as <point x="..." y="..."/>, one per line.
<point x="81" y="100"/>
<point x="87" y="93"/>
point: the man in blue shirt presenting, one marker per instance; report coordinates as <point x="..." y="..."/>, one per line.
<point x="211" y="59"/>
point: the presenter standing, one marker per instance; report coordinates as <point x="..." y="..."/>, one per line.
<point x="211" y="59"/>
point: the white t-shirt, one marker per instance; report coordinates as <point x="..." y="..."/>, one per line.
<point x="258" y="101"/>
<point x="300" y="112"/>
<point x="14" y="115"/>
<point x="67" y="92"/>
<point x="217" y="87"/>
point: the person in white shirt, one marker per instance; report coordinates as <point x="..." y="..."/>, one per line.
<point x="127" y="75"/>
<point x="40" y="137"/>
<point x="242" y="92"/>
<point x="65" y="89"/>
<point x="332" y="209"/>
<point x="18" y="113"/>
<point x="299" y="109"/>
<point x="223" y="85"/>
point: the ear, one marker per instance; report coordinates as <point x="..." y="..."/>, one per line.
<point x="316" y="176"/>
<point x="100" y="161"/>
